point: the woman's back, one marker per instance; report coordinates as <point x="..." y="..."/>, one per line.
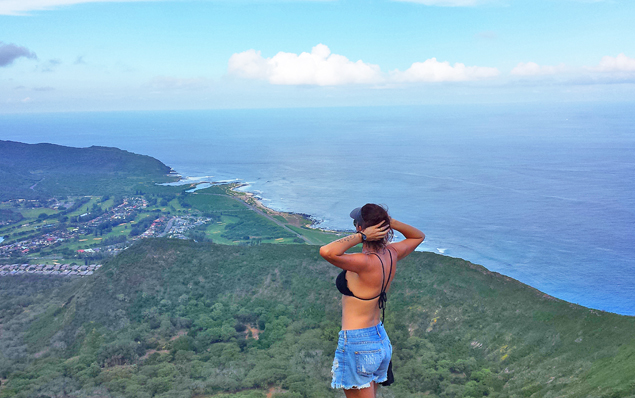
<point x="356" y="313"/>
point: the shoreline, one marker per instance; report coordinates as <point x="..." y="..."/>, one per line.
<point x="303" y="220"/>
<point x="300" y="220"/>
<point x="253" y="199"/>
<point x="239" y="190"/>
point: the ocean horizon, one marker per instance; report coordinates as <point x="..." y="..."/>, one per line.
<point x="543" y="194"/>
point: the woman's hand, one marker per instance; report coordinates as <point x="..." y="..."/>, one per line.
<point x="376" y="232"/>
<point x="335" y="252"/>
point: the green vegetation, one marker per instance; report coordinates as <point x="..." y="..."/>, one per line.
<point x="230" y="221"/>
<point x="170" y="318"/>
<point x="45" y="170"/>
<point x="9" y="216"/>
<point x="53" y="192"/>
<point x="315" y="235"/>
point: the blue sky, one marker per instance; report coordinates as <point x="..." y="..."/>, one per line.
<point x="78" y="55"/>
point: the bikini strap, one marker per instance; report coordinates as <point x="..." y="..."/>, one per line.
<point x="383" y="297"/>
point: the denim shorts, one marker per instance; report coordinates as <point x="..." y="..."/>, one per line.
<point x="362" y="356"/>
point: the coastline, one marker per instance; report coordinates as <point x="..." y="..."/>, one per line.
<point x="300" y="220"/>
<point x="240" y="190"/>
<point x="237" y="189"/>
<point x="302" y="225"/>
<point x="296" y="219"/>
<point x="253" y="199"/>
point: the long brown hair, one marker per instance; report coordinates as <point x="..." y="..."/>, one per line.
<point x="373" y="214"/>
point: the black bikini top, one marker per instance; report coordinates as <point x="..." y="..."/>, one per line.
<point x="342" y="285"/>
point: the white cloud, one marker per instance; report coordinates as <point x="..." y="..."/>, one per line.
<point x="432" y="70"/>
<point x="248" y="64"/>
<point x="621" y="63"/>
<point x="22" y="7"/>
<point x="319" y="67"/>
<point x="533" y="69"/>
<point x="322" y="68"/>
<point x="445" y="3"/>
<point x="610" y="70"/>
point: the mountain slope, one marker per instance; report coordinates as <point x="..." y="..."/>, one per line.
<point x="45" y="170"/>
<point x="177" y="318"/>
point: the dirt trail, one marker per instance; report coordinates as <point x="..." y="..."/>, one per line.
<point x="254" y="332"/>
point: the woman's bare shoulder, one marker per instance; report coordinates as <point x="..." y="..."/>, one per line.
<point x="403" y="248"/>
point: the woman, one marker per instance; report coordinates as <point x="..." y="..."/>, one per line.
<point x="363" y="349"/>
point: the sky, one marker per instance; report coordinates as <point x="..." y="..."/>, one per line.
<point x="91" y="55"/>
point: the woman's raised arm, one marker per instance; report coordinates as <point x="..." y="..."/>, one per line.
<point x="413" y="236"/>
<point x="335" y="252"/>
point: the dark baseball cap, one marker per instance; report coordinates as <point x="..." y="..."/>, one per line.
<point x="356" y="215"/>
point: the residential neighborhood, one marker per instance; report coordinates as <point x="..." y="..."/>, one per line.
<point x="49" y="269"/>
<point x="118" y="213"/>
<point x="93" y="234"/>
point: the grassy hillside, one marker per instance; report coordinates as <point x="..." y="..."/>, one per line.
<point x="171" y="318"/>
<point x="44" y="170"/>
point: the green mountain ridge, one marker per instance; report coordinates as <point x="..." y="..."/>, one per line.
<point x="30" y="171"/>
<point x="170" y="318"/>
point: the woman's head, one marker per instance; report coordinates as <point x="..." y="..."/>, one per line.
<point x="371" y="214"/>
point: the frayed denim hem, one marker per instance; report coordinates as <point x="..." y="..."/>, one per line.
<point x="367" y="385"/>
<point x="336" y="386"/>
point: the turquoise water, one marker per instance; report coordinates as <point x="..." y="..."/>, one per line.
<point x="545" y="195"/>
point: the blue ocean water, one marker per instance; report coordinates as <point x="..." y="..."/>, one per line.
<point x="544" y="194"/>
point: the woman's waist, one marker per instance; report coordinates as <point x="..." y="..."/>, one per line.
<point x="372" y="333"/>
<point x="358" y="314"/>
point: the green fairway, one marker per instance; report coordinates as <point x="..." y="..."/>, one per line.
<point x="32" y="214"/>
<point x="86" y="207"/>
<point x="215" y="230"/>
<point x="316" y="236"/>
<point x="215" y="203"/>
<point x="105" y="204"/>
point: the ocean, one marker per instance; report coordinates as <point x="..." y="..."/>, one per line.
<point x="543" y="194"/>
